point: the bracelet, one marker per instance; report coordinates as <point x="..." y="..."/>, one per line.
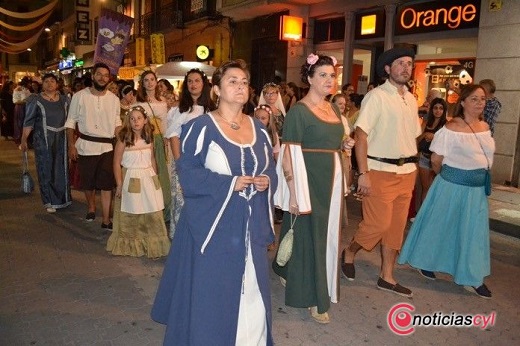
<point x="288" y="178"/>
<point x="361" y="173"/>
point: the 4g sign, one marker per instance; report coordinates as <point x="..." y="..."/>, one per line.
<point x="437" y="16"/>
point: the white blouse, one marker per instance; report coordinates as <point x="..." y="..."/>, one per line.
<point x="175" y="119"/>
<point x="462" y="150"/>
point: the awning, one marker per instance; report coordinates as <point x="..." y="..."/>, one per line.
<point x="178" y="69"/>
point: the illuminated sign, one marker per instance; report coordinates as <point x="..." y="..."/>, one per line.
<point x="291" y="28"/>
<point x="202" y="52"/>
<point x="368" y="24"/>
<point x="437" y="16"/>
<point x="65" y="64"/>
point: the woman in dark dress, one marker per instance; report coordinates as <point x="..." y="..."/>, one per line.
<point x="7" y="105"/>
<point x="45" y="116"/>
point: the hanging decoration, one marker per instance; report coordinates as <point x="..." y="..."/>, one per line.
<point x="25" y="35"/>
<point x="33" y="14"/>
<point x="21" y="46"/>
<point x="31" y="26"/>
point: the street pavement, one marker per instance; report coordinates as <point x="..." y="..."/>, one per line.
<point x="59" y="286"/>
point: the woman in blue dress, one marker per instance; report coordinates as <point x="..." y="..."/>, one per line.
<point x="450" y="233"/>
<point x="215" y="285"/>
<point x="45" y="115"/>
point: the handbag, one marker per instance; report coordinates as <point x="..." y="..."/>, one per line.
<point x="286" y="245"/>
<point x="27" y="180"/>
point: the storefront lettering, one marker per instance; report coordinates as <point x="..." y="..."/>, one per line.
<point x="451" y="17"/>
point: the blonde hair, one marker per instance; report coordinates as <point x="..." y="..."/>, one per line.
<point x="127" y="135"/>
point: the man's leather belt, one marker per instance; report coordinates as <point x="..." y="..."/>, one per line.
<point x="399" y="162"/>
<point x="95" y="139"/>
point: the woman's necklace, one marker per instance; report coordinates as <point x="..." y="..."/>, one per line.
<point x="53" y="97"/>
<point x="234" y="125"/>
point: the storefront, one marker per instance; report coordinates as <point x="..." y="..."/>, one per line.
<point x="443" y="34"/>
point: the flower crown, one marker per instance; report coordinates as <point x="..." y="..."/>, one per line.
<point x="265" y="108"/>
<point x="313" y="58"/>
<point x="136" y="108"/>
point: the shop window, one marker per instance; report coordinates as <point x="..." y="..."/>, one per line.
<point x="329" y="30"/>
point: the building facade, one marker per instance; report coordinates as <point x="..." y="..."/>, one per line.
<point x="455" y="42"/>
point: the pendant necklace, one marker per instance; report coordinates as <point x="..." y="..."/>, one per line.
<point x="50" y="97"/>
<point x="234" y="125"/>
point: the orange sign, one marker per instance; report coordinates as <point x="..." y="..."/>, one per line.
<point x="291" y="28"/>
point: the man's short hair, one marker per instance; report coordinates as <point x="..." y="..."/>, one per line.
<point x="488" y="84"/>
<point x="100" y="65"/>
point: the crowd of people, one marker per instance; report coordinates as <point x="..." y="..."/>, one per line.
<point x="202" y="175"/>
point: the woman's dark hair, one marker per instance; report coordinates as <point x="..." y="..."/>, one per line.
<point x="186" y="102"/>
<point x="25" y="82"/>
<point x="295" y="89"/>
<point x="7" y="85"/>
<point x="49" y="75"/>
<point x="431" y="118"/>
<point x="168" y="85"/>
<point x="464" y="93"/>
<point x="141" y="92"/>
<point x="356" y="99"/>
<point x="307" y="70"/>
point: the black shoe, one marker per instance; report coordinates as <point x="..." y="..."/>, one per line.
<point x="397" y="289"/>
<point x="347" y="269"/>
<point x="427" y="274"/>
<point x="482" y="291"/>
<point x="107" y="226"/>
<point x="90" y="216"/>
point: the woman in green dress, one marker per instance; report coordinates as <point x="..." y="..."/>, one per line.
<point x="149" y="97"/>
<point x="310" y="192"/>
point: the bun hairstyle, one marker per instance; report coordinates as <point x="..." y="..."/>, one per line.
<point x="313" y="61"/>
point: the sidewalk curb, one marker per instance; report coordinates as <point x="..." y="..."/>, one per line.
<point x="504" y="228"/>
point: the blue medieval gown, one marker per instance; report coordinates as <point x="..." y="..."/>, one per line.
<point x="200" y="292"/>
<point x="47" y="118"/>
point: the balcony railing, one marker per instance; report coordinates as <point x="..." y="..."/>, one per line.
<point x="173" y="15"/>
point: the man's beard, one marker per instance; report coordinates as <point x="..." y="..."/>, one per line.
<point x="99" y="87"/>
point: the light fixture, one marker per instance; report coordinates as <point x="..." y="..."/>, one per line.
<point x="47" y="30"/>
<point x="29" y="49"/>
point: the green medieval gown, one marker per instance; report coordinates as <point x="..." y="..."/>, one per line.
<point x="312" y="272"/>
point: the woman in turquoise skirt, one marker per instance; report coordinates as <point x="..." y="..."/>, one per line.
<point x="451" y="231"/>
